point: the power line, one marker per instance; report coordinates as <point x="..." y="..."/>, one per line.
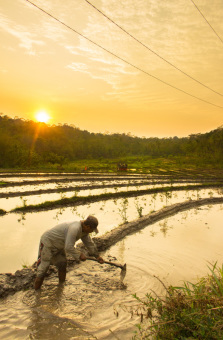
<point x="148" y="48"/>
<point x="120" y="58"/>
<point x="207" y="21"/>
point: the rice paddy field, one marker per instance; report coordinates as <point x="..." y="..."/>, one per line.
<point x="93" y="303"/>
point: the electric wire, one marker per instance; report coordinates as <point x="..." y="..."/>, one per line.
<point x="148" y="48"/>
<point x="207" y="21"/>
<point x="120" y="58"/>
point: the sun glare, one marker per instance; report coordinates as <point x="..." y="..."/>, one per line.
<point x="42" y="116"/>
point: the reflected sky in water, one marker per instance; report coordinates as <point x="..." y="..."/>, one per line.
<point x="20" y="233"/>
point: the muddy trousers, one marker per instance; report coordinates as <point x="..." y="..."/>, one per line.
<point x="47" y="256"/>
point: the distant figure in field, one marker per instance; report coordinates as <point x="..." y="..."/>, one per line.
<point x="122" y="167"/>
<point x="55" y="243"/>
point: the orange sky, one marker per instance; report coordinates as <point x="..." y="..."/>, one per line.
<point x="46" y="66"/>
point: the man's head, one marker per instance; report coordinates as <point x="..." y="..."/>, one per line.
<point x="90" y="224"/>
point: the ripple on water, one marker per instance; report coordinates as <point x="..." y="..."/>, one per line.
<point x="24" y="316"/>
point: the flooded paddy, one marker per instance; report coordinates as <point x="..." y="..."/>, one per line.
<point x="20" y="232"/>
<point x="93" y="302"/>
<point x="57" y="186"/>
<point x="33" y="198"/>
<point x="29" y="186"/>
<point x="60" y="184"/>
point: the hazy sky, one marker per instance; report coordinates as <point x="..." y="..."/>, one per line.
<point x="46" y="66"/>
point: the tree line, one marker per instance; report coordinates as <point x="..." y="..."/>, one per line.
<point x="25" y="143"/>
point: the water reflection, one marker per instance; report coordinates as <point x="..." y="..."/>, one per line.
<point x="164" y="227"/>
<point x="34" y="315"/>
<point x="20" y="233"/>
<point x="45" y="320"/>
<point x="22" y="218"/>
<point x="24" y="198"/>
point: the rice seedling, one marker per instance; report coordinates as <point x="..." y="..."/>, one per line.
<point x="138" y="207"/>
<point x="123" y="210"/>
<point x="210" y="193"/>
<point x="168" y="195"/>
<point x="24" y="200"/>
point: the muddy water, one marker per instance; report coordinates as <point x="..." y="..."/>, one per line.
<point x="86" y="307"/>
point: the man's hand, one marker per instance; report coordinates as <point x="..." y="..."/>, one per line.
<point x="100" y="259"/>
<point x="83" y="257"/>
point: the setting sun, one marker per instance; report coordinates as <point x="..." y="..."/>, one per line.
<point x="42" y="116"/>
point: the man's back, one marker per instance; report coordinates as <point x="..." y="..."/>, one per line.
<point x="58" y="235"/>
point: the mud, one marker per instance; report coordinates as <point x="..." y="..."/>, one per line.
<point x="23" y="279"/>
<point x="2" y="212"/>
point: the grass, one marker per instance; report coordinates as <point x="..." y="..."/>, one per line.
<point x="193" y="311"/>
<point x="171" y="165"/>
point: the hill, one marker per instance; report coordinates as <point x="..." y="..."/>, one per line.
<point x="24" y="143"/>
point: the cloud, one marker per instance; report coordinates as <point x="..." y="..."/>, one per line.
<point x="26" y="39"/>
<point x="78" y="67"/>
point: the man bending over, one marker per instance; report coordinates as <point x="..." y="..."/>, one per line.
<point x="59" y="241"/>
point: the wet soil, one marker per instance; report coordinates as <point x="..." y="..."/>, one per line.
<point x="23" y="279"/>
<point x="2" y="212"/>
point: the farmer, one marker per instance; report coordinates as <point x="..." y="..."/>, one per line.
<point x="59" y="241"/>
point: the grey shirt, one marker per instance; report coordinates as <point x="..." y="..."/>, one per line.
<point x="65" y="235"/>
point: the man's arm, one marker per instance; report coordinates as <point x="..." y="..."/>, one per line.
<point x="92" y="248"/>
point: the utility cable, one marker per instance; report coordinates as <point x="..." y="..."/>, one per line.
<point x="120" y="58"/>
<point x="148" y="48"/>
<point x="207" y="21"/>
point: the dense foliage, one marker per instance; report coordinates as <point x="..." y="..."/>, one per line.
<point x="26" y="143"/>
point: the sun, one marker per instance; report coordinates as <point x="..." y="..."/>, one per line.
<point x="42" y="116"/>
